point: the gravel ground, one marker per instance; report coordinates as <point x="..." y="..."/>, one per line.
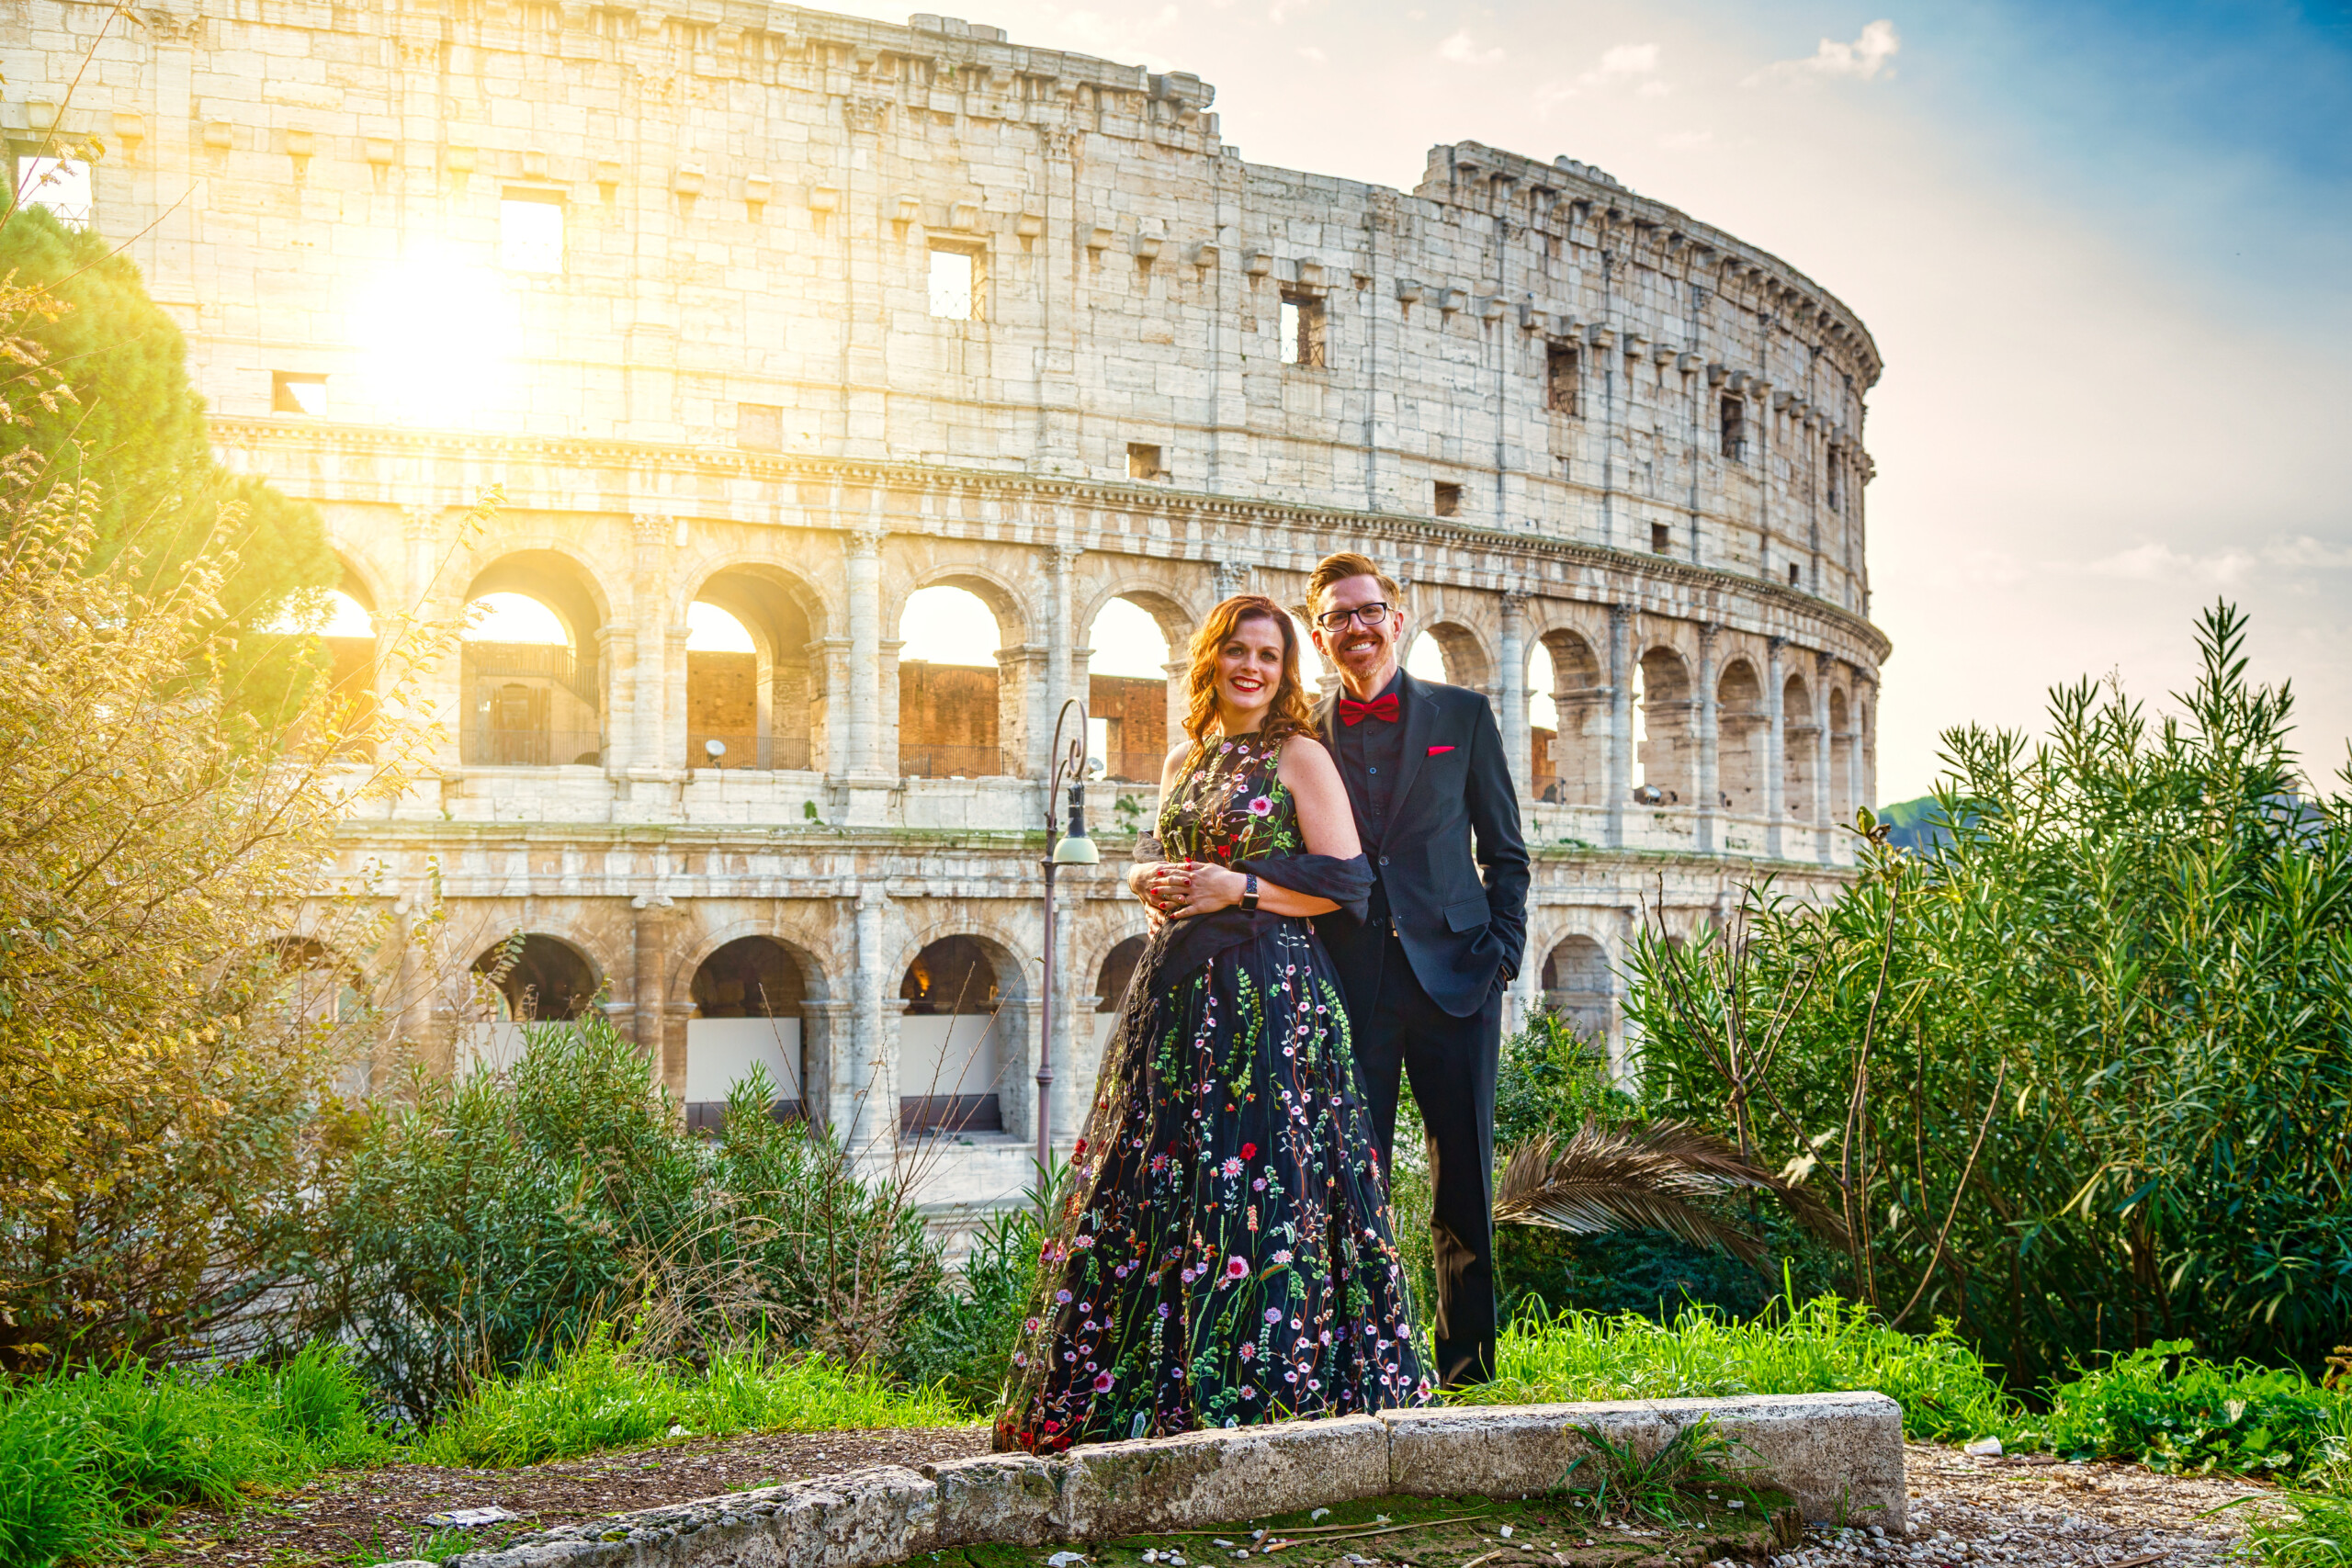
<point x="2029" y="1512"/>
<point x="1966" y="1512"/>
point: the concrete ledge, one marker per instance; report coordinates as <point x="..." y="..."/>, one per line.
<point x="1839" y="1455"/>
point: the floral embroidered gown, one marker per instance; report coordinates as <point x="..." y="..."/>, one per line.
<point x="1225" y="1255"/>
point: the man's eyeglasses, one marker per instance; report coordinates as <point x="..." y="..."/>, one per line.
<point x="1367" y="615"/>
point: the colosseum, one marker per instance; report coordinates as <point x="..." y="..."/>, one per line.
<point x="783" y="333"/>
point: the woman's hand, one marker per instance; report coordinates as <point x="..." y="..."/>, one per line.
<point x="1163" y="885"/>
<point x="1209" y="889"/>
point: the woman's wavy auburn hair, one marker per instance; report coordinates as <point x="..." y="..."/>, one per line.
<point x="1289" y="714"/>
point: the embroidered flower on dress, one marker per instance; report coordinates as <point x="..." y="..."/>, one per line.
<point x="1235" y="1267"/>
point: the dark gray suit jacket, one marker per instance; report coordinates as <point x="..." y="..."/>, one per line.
<point x="1452" y="811"/>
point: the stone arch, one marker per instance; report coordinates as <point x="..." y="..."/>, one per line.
<point x="955" y="1049"/>
<point x="1176" y="614"/>
<point x="543" y="977"/>
<point x="531" y="704"/>
<point x="1114" y="972"/>
<point x="963" y="721"/>
<point x="1580" y="985"/>
<point x="1742" y="731"/>
<point x="766" y="707"/>
<point x="358" y="576"/>
<point x="1467" y="662"/>
<point x="1669" y="710"/>
<point x="749" y="995"/>
<point x="1136" y="719"/>
<point x="1800" y="729"/>
<point x="1844" y="750"/>
<point x="1571" y="763"/>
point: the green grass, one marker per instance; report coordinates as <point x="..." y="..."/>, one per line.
<point x="87" y="1459"/>
<point x="1821" y="1346"/>
<point x="2316" y="1534"/>
<point x="598" y="1396"/>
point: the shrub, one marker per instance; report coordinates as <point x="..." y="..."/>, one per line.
<point x="600" y="1395"/>
<point x="2076" y="1079"/>
<point x="963" y="1345"/>
<point x="2164" y="1408"/>
<point x="481" y="1227"/>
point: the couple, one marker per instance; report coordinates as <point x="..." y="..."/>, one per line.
<point x="1226" y="1256"/>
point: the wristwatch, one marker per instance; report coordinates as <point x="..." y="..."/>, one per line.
<point x="1249" y="891"/>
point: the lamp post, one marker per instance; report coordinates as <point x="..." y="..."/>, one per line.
<point x="1067" y="763"/>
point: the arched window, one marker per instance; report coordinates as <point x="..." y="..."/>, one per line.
<point x="748" y="998"/>
<point x="1127" y="690"/>
<point x="528" y="978"/>
<point x="949" y="700"/>
<point x="949" y="1042"/>
<point x="755" y="698"/>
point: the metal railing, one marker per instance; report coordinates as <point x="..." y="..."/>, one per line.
<point x="743" y="751"/>
<point x="536" y="747"/>
<point x="953" y="763"/>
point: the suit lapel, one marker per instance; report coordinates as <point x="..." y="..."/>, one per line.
<point x="1420" y="720"/>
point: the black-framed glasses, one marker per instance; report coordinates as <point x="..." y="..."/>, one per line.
<point x="1369" y="614"/>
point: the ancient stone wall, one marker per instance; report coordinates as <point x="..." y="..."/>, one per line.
<point x="796" y="314"/>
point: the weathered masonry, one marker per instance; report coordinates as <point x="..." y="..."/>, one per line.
<point x="791" y="316"/>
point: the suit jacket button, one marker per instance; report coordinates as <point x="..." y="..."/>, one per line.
<point x="1383" y="860"/>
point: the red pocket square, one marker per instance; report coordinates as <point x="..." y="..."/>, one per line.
<point x="1440" y="751"/>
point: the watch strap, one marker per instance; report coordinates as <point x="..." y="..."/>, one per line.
<point x="1249" y="891"/>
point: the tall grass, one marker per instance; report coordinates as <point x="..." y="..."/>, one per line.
<point x="599" y="1396"/>
<point x="87" y="1459"/>
<point x="1821" y="1346"/>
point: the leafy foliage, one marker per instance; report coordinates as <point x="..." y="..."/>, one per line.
<point x="2079" y="1079"/>
<point x="489" y="1224"/>
<point x="2166" y="1409"/>
<point x="963" y="1343"/>
<point x="132" y="433"/>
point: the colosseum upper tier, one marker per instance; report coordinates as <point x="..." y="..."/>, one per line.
<point x="794" y="315"/>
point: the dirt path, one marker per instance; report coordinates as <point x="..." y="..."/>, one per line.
<point x="1966" y="1512"/>
<point x="358" y="1517"/>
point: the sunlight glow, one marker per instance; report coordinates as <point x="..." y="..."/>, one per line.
<point x="513" y="617"/>
<point x="323" y="613"/>
<point x="437" y="340"/>
<point x="949" y="626"/>
<point x="710" y="629"/>
<point x="1543" y="713"/>
<point x="1425" y="659"/>
<point x="1127" y="641"/>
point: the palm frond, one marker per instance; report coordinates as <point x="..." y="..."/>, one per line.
<point x="1599" y="1180"/>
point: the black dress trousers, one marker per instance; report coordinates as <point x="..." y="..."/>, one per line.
<point x="1399" y="1031"/>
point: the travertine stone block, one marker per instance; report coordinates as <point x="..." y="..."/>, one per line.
<point x="1115" y="1489"/>
<point x="1008" y="1497"/>
<point x="1838" y="1455"/>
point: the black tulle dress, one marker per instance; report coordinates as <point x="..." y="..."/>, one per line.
<point x="1224" y="1254"/>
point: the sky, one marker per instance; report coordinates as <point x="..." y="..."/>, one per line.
<point x="2106" y="250"/>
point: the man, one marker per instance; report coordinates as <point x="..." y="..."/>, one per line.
<point x="1425" y="972"/>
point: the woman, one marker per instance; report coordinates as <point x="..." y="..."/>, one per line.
<point x="1224" y="1254"/>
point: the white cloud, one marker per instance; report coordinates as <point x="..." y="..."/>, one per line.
<point x="1311" y="53"/>
<point x="1866" y="59"/>
<point x="1463" y="50"/>
<point x="1618" y="65"/>
<point x="2302" y="550"/>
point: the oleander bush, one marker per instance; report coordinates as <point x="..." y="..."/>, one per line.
<point x="2076" y="1078"/>
<point x="482" y="1226"/>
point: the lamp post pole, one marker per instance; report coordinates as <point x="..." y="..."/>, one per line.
<point x="1068" y="761"/>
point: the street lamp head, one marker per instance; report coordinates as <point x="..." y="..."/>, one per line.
<point x="1076" y="848"/>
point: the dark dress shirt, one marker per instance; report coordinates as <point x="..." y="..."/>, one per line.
<point x="1370" y="750"/>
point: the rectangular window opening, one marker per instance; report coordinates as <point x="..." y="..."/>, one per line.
<point x="1142" y="461"/>
<point x="1735" y="429"/>
<point x="1301" y="326"/>
<point x="1795" y="574"/>
<point x="530" y="232"/>
<point x="1560" y="379"/>
<point x="1661" y="538"/>
<point x="759" y="427"/>
<point x="955" y="284"/>
<point x="1833" y="486"/>
<point x="291" y="391"/>
<point x="1445" y="499"/>
<point x="61" y="185"/>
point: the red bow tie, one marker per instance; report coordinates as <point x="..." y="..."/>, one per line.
<point x="1382" y="707"/>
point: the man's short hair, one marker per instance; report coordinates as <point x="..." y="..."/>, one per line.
<point x="1340" y="568"/>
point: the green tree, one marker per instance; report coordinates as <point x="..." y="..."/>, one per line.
<point x="133" y="429"/>
<point x="2079" y="1076"/>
